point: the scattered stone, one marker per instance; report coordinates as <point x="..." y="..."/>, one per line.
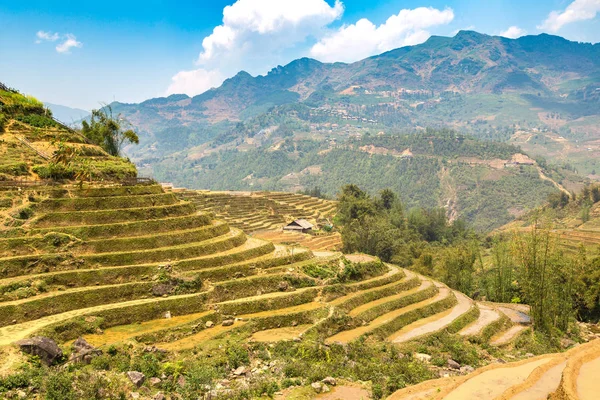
<point x="209" y="324"/>
<point x="159" y="396"/>
<point x="317" y="386"/>
<point x="426" y="358"/>
<point x="566" y="343"/>
<point x="228" y="322"/>
<point x="181" y="381"/>
<point x="325" y="389"/>
<point x="240" y="371"/>
<point x="283" y="286"/>
<point x="21" y="394"/>
<point x="137" y="378"/>
<point x="161" y="289"/>
<point x="453" y="364"/>
<point x="45" y="348"/>
<point x="83" y="352"/>
<point x="329" y="381"/>
<point x="225" y="382"/>
<point x="529" y="355"/>
<point x="155" y="381"/>
<point x="297" y="339"/>
<point x="134" y="395"/>
<point x="168" y="315"/>
<point x="466" y="369"/>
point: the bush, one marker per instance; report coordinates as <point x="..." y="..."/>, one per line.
<point x="39" y="121"/>
<point x="59" y="387"/>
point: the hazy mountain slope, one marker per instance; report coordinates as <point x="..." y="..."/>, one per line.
<point x="66" y="114"/>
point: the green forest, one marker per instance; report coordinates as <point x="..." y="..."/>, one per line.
<point x="529" y="267"/>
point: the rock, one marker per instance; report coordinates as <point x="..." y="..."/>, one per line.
<point x="325" y="389"/>
<point x="137" y="378"/>
<point x="466" y="369"/>
<point x="134" y="395"/>
<point x="529" y="355"/>
<point x="159" y="396"/>
<point x="161" y="289"/>
<point x="228" y="322"/>
<point x="283" y="286"/>
<point x="566" y="343"/>
<point x="240" y="371"/>
<point x="181" y="381"/>
<point x="21" y="394"/>
<point x="297" y="339"/>
<point x="317" y="386"/>
<point x="155" y="381"/>
<point x="453" y="364"/>
<point x="45" y="348"/>
<point x="209" y="324"/>
<point x="426" y="358"/>
<point x="329" y="381"/>
<point x="83" y="351"/>
<point x="168" y="315"/>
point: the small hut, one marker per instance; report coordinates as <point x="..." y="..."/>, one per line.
<point x="299" y="225"/>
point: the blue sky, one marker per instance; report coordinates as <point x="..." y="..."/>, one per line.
<point x="83" y="53"/>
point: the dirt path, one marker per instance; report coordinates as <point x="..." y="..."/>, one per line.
<point x="556" y="184"/>
<point x="278" y="334"/>
<point x="12" y="333"/>
<point x="588" y="384"/>
<point x="504" y="337"/>
<point x="449" y="193"/>
<point x="194" y="340"/>
<point x="494" y="382"/>
<point x="487" y="315"/>
<point x="547" y="384"/>
<point x="360" y="309"/>
<point x="352" y="334"/>
<point x="124" y="332"/>
<point x="436" y="322"/>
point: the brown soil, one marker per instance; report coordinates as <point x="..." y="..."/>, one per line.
<point x="492" y="383"/>
<point x="279" y="334"/>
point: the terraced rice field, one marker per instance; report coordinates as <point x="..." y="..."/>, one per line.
<point x="135" y="264"/>
<point x="571" y="375"/>
<point x="261" y="211"/>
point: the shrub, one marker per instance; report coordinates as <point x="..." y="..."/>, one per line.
<point x="39" y="121"/>
<point x="59" y="387"/>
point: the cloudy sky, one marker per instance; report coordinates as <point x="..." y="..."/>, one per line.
<point x="82" y="54"/>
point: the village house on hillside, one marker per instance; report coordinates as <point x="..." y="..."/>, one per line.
<point x="299" y="225"/>
<point x="519" y="159"/>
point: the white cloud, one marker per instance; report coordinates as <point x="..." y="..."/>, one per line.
<point x="363" y="39"/>
<point x="284" y="22"/>
<point x="578" y="10"/>
<point x="255" y="34"/>
<point x="513" y="32"/>
<point x="69" y="42"/>
<point x="46" y="36"/>
<point x="194" y="82"/>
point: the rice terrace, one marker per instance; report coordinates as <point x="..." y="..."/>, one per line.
<point x="335" y="203"/>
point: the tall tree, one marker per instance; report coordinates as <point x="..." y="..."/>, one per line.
<point x="108" y="131"/>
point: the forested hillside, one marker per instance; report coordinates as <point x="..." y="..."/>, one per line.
<point x="470" y="178"/>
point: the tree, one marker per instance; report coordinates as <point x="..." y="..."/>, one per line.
<point x="108" y="131"/>
<point x="546" y="277"/>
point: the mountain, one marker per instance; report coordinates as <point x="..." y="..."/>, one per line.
<point x="545" y="66"/>
<point x="66" y="114"/>
<point x="293" y="128"/>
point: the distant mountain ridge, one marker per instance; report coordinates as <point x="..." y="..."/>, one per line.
<point x="66" y="114"/>
<point x="468" y="63"/>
